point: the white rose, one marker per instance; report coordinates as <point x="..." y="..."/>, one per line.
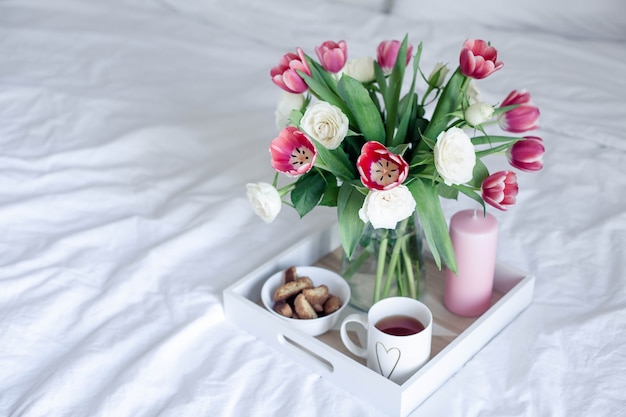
<point x="361" y="69"/>
<point x="265" y="200"/>
<point x="325" y="123"/>
<point x="438" y="75"/>
<point x="478" y="113"/>
<point x="385" y="208"/>
<point x="287" y="103"/>
<point x="454" y="156"/>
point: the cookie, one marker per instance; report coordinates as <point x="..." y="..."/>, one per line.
<point x="292" y="288"/>
<point x="290" y="274"/>
<point x="304" y="309"/>
<point x="317" y="295"/>
<point x="283" y="308"/>
<point x="332" y="304"/>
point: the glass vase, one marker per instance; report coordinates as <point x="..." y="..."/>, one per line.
<point x="386" y="263"/>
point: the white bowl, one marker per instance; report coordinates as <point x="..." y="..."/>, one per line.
<point x="336" y="286"/>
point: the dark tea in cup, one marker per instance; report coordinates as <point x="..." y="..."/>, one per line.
<point x="400" y="325"/>
<point x="399" y="335"/>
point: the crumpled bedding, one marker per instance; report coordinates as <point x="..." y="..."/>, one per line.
<point x="128" y="130"/>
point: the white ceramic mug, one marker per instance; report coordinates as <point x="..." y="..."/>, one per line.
<point x="393" y="353"/>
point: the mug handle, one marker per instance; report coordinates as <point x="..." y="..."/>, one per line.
<point x="343" y="331"/>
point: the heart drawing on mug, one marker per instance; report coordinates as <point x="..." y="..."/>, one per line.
<point x="387" y="359"/>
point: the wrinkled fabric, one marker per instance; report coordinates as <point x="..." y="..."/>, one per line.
<point x="128" y="130"/>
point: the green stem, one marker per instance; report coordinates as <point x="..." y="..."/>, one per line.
<point x="402" y="288"/>
<point x="408" y="266"/>
<point x="395" y="261"/>
<point x="286" y="189"/>
<point x="380" y="268"/>
<point x="391" y="269"/>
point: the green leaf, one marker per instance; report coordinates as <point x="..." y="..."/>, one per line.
<point x="349" y="202"/>
<point x="308" y="192"/>
<point x="375" y="100"/>
<point x="422" y="158"/>
<point x="434" y="222"/>
<point x="430" y="143"/>
<point x="407" y="115"/>
<point x="363" y="109"/>
<point x="471" y="193"/>
<point x="321" y="91"/>
<point x="400" y="149"/>
<point x="408" y="105"/>
<point x="449" y="102"/>
<point x="380" y="79"/>
<point x="416" y="64"/>
<point x="447" y="191"/>
<point x="320" y="74"/>
<point x="331" y="191"/>
<point x="479" y="174"/>
<point x="392" y="95"/>
<point x="496" y="149"/>
<point x="324" y="86"/>
<point x="499" y="110"/>
<point x="330" y="197"/>
<point x="295" y="117"/>
<point x="406" y="102"/>
<point x="417" y="127"/>
<point x="488" y="140"/>
<point x="335" y="161"/>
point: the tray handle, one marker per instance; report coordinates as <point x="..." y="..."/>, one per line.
<point x="323" y="366"/>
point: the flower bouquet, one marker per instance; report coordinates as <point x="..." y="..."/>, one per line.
<point x="354" y="134"/>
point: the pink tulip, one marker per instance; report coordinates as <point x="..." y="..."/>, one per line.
<point x="527" y="154"/>
<point x="478" y="59"/>
<point x="292" y="152"/>
<point x="380" y="169"/>
<point x="387" y="53"/>
<point x="285" y="74"/>
<point x="332" y="55"/>
<point x="499" y="189"/>
<point x="523" y="118"/>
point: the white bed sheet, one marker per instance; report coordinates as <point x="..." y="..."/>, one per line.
<point x="128" y="130"/>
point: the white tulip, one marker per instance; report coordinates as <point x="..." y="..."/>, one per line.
<point x="287" y="103"/>
<point x="478" y="113"/>
<point x="265" y="200"/>
<point x="385" y="208"/>
<point x="361" y="69"/>
<point x="325" y="123"/>
<point x="454" y="156"/>
<point x="438" y="75"/>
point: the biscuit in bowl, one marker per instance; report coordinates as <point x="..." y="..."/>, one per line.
<point x="310" y="298"/>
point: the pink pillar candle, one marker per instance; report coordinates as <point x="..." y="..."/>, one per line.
<point x="475" y="240"/>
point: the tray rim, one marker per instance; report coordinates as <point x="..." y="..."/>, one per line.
<point x="334" y="365"/>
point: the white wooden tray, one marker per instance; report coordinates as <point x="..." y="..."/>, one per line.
<point x="455" y="339"/>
